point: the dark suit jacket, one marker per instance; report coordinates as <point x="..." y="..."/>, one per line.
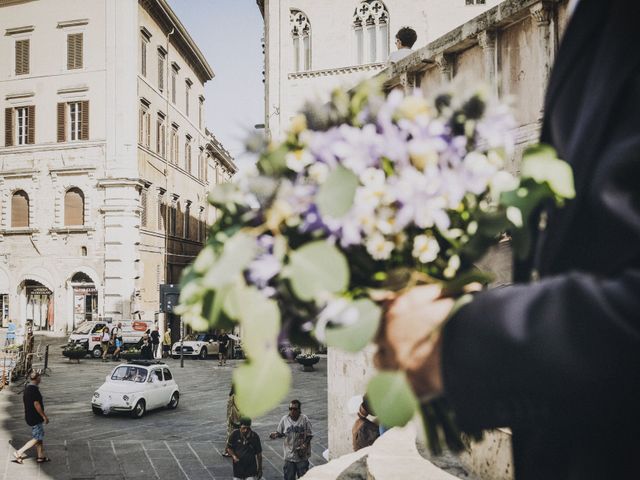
<point x="558" y="360"/>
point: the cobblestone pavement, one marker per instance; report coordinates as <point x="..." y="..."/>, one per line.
<point x="185" y="443"/>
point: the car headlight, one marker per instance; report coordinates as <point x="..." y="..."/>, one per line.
<point x="96" y="395"/>
<point x="125" y="398"/>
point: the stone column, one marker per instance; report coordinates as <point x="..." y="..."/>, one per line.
<point x="487" y="42"/>
<point x="543" y="15"/>
<point x="444" y="63"/>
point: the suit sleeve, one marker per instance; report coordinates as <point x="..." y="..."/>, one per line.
<point x="565" y="349"/>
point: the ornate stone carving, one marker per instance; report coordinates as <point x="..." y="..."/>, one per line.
<point x="542" y="13"/>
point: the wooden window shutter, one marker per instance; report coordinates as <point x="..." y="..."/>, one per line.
<point x="62" y="119"/>
<point x="84" y="128"/>
<point x="75" y="49"/>
<point x="143" y="204"/>
<point x="20" y="209"/>
<point x="8" y="127"/>
<point x="22" y="57"/>
<point x="74" y="207"/>
<point x="31" y="125"/>
<point x="160" y="72"/>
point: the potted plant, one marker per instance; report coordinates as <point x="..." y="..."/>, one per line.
<point x="74" y="351"/>
<point x="307" y="360"/>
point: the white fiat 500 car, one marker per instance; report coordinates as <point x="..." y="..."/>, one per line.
<point x="136" y="387"/>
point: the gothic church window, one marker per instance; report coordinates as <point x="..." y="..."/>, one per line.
<point x="301" y="36"/>
<point x="371" y="30"/>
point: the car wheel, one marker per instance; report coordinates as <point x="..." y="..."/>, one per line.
<point x="203" y="354"/>
<point x="96" y="410"/>
<point x="96" y="352"/>
<point x="175" y="399"/>
<point x="139" y="409"/>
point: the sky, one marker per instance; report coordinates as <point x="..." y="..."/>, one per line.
<point x="229" y="34"/>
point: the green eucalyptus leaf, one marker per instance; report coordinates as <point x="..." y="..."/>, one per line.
<point x="205" y="260"/>
<point x="224" y="194"/>
<point x="542" y="165"/>
<point x="261" y="384"/>
<point x="392" y="399"/>
<point x="317" y="267"/>
<point x="336" y="194"/>
<point x="260" y="320"/>
<point x="237" y="254"/>
<point x="357" y="335"/>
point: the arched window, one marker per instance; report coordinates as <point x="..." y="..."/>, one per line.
<point x="20" y="209"/>
<point x="301" y="35"/>
<point x="73" y="207"/>
<point x="371" y="30"/>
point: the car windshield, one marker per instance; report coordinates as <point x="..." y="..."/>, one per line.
<point x="129" y="374"/>
<point x="83" y="328"/>
<point x="202" y="337"/>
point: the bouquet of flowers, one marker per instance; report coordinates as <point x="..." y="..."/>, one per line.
<point x="367" y="194"/>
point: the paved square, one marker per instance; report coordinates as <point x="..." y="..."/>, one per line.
<point x="185" y="443"/>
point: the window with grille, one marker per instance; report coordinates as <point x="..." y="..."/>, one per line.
<point x="20" y="209"/>
<point x="22" y="56"/>
<point x="301" y="37"/>
<point x="74" y="51"/>
<point x="475" y="2"/>
<point x="73" y="207"/>
<point x="371" y="31"/>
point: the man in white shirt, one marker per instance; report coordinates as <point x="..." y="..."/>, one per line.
<point x="405" y="38"/>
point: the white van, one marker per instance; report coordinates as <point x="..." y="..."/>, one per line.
<point x="90" y="333"/>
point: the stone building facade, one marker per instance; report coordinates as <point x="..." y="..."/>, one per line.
<point x="105" y="161"/>
<point x="312" y="47"/>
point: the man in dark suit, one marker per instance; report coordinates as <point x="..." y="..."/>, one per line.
<point x="556" y="356"/>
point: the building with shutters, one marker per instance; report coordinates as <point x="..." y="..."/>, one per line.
<point x="105" y="159"/>
<point x="312" y="47"/>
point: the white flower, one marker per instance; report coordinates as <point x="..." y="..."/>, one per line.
<point x="452" y="267"/>
<point x="502" y="182"/>
<point x="319" y="172"/>
<point x="299" y="160"/>
<point x="425" y="248"/>
<point x="386" y="223"/>
<point x="425" y="153"/>
<point x="379" y="247"/>
<point x="372" y="177"/>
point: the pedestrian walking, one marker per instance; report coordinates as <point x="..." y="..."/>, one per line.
<point x="223" y="347"/>
<point x="295" y="428"/>
<point x="35" y="418"/>
<point x="233" y="416"/>
<point x="155" y="341"/>
<point x="11" y="333"/>
<point x="146" y="351"/>
<point x="105" y="341"/>
<point x="116" y="334"/>
<point x="166" y="343"/>
<point x="245" y="450"/>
